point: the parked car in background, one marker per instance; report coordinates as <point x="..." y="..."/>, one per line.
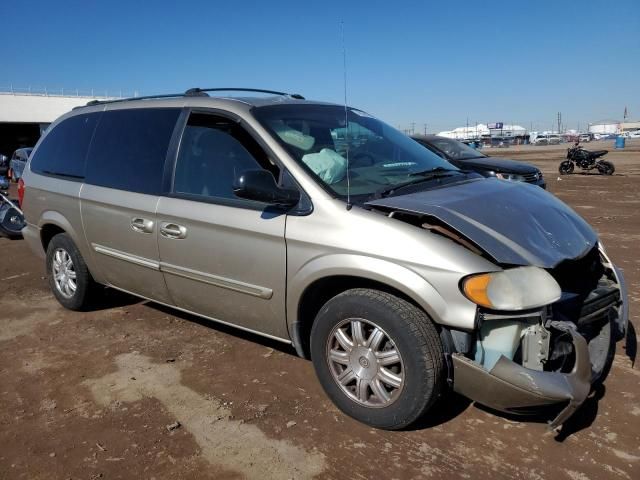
<point x="4" y="165"/>
<point x="631" y="134"/>
<point x="584" y="137"/>
<point x="18" y="162"/>
<point x="468" y="158"/>
<point x="549" y="139"/>
<point x="375" y="257"/>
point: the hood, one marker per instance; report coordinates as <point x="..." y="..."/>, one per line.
<point x="515" y="223"/>
<point x="497" y="165"/>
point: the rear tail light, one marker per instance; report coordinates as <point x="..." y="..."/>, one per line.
<point x="20" y="191"/>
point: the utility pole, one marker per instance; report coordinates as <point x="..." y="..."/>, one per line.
<point x="413" y="127"/>
<point x="559" y="121"/>
<point x="425" y="129"/>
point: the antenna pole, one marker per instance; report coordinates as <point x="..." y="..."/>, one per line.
<point x="346" y="113"/>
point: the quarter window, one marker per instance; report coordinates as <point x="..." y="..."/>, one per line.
<point x="63" y="150"/>
<point x="129" y="149"/>
<point x="214" y="151"/>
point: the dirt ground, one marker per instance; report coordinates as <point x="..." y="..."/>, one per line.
<point x="97" y="395"/>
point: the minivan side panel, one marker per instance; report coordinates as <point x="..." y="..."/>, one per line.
<point x="54" y="201"/>
<point x="230" y="265"/>
<point x="126" y="257"/>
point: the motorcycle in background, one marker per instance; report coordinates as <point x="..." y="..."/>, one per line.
<point x="11" y="217"/>
<point x="586" y="160"/>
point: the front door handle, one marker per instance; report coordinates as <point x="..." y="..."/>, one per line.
<point x="173" y="230"/>
<point x="141" y="225"/>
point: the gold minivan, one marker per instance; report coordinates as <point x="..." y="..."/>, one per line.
<point x="318" y="225"/>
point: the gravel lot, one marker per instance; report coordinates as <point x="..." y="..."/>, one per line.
<point x="134" y="390"/>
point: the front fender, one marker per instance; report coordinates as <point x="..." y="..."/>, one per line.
<point x="392" y="274"/>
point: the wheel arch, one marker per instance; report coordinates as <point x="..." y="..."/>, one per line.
<point x="52" y="223"/>
<point x="324" y="278"/>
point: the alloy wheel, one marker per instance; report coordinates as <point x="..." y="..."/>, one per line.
<point x="365" y="363"/>
<point x="64" y="274"/>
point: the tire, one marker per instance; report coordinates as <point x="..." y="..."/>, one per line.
<point x="394" y="395"/>
<point x="566" y="168"/>
<point x="606" y="168"/>
<point x="60" y="251"/>
<point x="602" y="348"/>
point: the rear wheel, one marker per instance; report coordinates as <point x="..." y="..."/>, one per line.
<point x="69" y="277"/>
<point x="378" y="357"/>
<point x="566" y="167"/>
<point x="606" y="168"/>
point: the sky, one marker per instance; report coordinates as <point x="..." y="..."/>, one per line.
<point x="442" y="64"/>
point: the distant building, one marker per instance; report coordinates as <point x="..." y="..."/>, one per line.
<point x="488" y="134"/>
<point x="605" y="127"/>
<point x="630" y="126"/>
<point x="24" y="116"/>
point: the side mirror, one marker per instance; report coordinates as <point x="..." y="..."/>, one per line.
<point x="259" y="185"/>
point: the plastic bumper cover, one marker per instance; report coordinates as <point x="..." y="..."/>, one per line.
<point x="509" y="387"/>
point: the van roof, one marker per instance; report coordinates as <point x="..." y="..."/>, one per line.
<point x="274" y="97"/>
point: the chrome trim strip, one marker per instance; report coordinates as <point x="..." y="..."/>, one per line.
<point x="234" y="325"/>
<point x="110" y="252"/>
<point x="208" y="278"/>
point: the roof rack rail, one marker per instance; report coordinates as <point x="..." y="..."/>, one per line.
<point x="193" y="92"/>
<point x="198" y="92"/>
<point x="130" y="99"/>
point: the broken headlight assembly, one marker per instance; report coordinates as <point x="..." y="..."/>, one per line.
<point x="514" y="289"/>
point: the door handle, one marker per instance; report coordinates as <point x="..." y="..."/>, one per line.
<point x="141" y="225"/>
<point x="173" y="230"/>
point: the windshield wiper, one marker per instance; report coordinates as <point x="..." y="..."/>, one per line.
<point x="434" y="172"/>
<point x="424" y="176"/>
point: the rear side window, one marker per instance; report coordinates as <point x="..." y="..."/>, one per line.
<point x="63" y="151"/>
<point x="129" y="149"/>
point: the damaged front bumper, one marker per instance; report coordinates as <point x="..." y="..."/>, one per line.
<point x="512" y="388"/>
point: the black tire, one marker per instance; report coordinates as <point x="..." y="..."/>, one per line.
<point x="566" y="168"/>
<point x="408" y="330"/>
<point x="602" y="351"/>
<point x="80" y="299"/>
<point x="606" y="168"/>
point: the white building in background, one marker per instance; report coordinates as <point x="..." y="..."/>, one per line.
<point x="486" y="132"/>
<point x="605" y="127"/>
<point x="24" y="115"/>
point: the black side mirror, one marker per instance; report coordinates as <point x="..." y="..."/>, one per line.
<point x="259" y="185"/>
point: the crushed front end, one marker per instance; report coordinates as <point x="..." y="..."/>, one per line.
<point x="549" y="356"/>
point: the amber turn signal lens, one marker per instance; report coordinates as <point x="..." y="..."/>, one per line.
<point x="475" y="288"/>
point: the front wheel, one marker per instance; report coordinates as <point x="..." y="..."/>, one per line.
<point x="566" y="167"/>
<point x="378" y="357"/>
<point x="606" y="168"/>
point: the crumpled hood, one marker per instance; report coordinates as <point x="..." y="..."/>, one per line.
<point x="513" y="222"/>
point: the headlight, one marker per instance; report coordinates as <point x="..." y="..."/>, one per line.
<point x="514" y="289"/>
<point x="510" y="176"/>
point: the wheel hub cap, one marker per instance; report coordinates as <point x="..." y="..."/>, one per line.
<point x="64" y="274"/>
<point x="365" y="363"/>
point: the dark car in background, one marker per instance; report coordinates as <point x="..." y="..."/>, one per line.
<point x="4" y="165"/>
<point x="468" y="158"/>
<point x="18" y="162"/>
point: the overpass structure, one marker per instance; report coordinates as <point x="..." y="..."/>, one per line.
<point x="25" y="115"/>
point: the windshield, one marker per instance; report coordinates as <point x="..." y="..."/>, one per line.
<point x="453" y="149"/>
<point x="322" y="137"/>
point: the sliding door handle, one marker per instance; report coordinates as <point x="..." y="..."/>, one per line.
<point x="173" y="230"/>
<point x="142" y="225"/>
